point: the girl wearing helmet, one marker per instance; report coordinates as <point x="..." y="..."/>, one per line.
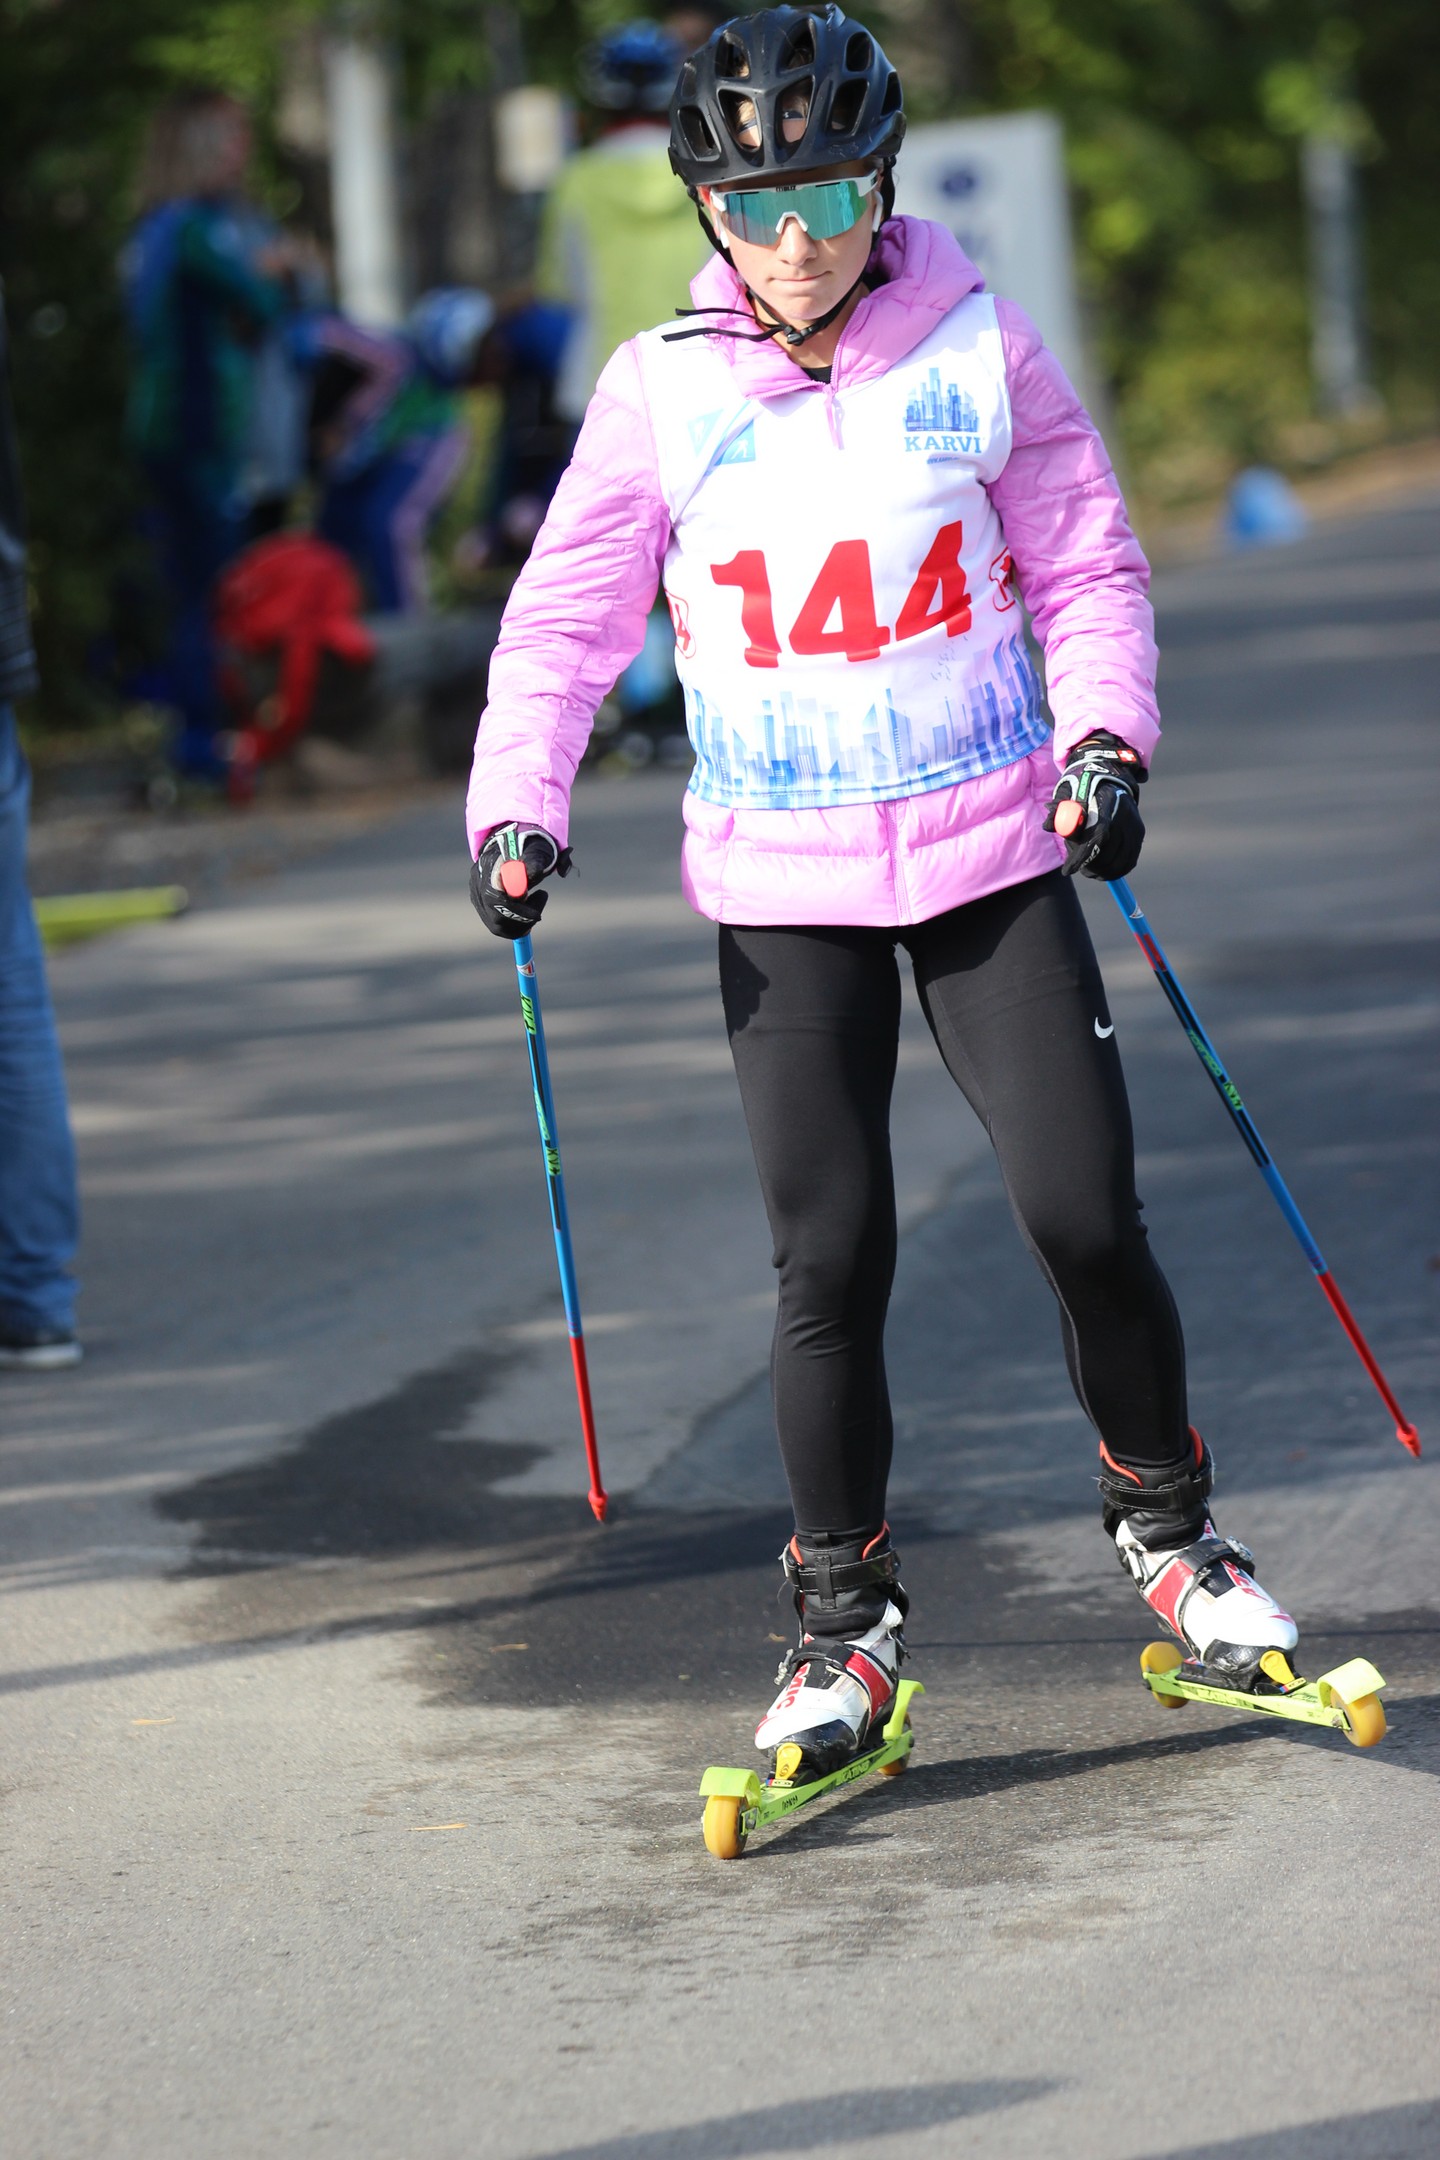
<point x="849" y="469"/>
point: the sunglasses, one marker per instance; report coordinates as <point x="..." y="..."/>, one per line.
<point x="823" y="208"/>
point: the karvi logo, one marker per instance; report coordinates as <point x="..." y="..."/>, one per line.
<point x="941" y="422"/>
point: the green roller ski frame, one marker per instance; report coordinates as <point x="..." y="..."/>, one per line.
<point x="737" y="1802"/>
<point x="1347" y="1699"/>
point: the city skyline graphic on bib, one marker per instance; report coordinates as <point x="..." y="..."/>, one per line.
<point x="799" y="754"/>
<point x="941" y="417"/>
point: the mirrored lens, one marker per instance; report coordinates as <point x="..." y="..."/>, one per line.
<point x="824" y="209"/>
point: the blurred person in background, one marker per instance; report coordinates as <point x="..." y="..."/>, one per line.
<point x="39" y="1207"/>
<point x="207" y="281"/>
<point x="521" y="357"/>
<point x="615" y="248"/>
<point x="388" y="433"/>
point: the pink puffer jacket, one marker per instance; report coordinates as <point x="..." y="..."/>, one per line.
<point x="577" y="617"/>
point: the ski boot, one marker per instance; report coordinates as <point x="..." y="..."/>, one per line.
<point x="1202" y="1585"/>
<point x="842" y="1710"/>
<point x="838" y="1683"/>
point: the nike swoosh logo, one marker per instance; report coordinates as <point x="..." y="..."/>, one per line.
<point x="1104" y="1032"/>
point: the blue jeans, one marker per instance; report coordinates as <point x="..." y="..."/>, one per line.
<point x="39" y="1207"/>
<point x="196" y="531"/>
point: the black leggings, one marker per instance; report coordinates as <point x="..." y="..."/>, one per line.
<point x="1012" y="992"/>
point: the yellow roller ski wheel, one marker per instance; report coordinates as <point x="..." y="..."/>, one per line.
<point x="721" y="1827"/>
<point x="901" y="1763"/>
<point x="1160" y="1657"/>
<point x="1364" y="1719"/>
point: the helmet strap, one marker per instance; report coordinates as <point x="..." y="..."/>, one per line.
<point x="792" y="333"/>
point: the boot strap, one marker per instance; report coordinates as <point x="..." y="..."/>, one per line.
<point x="824" y="1578"/>
<point x="1183" y="1494"/>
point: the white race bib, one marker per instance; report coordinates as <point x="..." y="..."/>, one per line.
<point x="846" y="621"/>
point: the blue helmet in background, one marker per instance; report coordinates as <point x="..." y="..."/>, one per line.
<point x="448" y="327"/>
<point x="632" y="69"/>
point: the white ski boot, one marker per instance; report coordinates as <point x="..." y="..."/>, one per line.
<point x="1201" y="1584"/>
<point x="838" y="1683"/>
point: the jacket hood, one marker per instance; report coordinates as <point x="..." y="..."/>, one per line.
<point x="926" y="273"/>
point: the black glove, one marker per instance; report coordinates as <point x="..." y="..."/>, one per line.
<point x="1095" y="808"/>
<point x="509" y="849"/>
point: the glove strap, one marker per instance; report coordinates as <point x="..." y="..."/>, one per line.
<point x="510" y="841"/>
<point x="1106" y="757"/>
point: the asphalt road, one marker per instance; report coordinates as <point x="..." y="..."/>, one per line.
<point x="348" y="1772"/>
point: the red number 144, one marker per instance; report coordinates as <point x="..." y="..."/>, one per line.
<point x="839" y="612"/>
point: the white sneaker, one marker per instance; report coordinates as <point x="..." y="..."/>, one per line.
<point x="37" y="1349"/>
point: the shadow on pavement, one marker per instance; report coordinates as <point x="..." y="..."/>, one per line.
<point x="804" y="2125"/>
<point x="1394" y="2133"/>
<point x="386" y="1477"/>
<point x="979" y="1777"/>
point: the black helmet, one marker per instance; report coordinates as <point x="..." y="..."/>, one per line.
<point x="815" y="68"/>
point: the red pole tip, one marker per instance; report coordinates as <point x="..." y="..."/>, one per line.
<point x="1068" y="819"/>
<point x="600" y="1502"/>
<point x="1409" y="1438"/>
<point x="514" y="879"/>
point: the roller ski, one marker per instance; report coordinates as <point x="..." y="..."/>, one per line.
<point x="1233" y="1640"/>
<point x="842" y="1710"/>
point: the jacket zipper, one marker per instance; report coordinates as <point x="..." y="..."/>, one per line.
<point x="897" y="864"/>
<point x="832" y="414"/>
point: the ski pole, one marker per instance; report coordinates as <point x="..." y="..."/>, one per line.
<point x="517" y="885"/>
<point x="1244" y="1124"/>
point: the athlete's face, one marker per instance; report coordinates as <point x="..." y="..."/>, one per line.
<point x="801" y="278"/>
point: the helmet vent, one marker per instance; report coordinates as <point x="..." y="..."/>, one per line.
<point x="697" y="131"/>
<point x="799" y="48"/>
<point x="731" y="59"/>
<point x="793" y="110"/>
<point x="858" y="54"/>
<point x="738" y="112"/>
<point x="845" y="111"/>
<point x="892" y="94"/>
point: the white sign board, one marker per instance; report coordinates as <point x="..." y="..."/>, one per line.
<point x="998" y="183"/>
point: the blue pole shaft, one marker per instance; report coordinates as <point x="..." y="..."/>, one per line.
<point x="1249" y="1132"/>
<point x="559" y="1214"/>
<point x="545" y="1119"/>
<point x="1209" y="1057"/>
